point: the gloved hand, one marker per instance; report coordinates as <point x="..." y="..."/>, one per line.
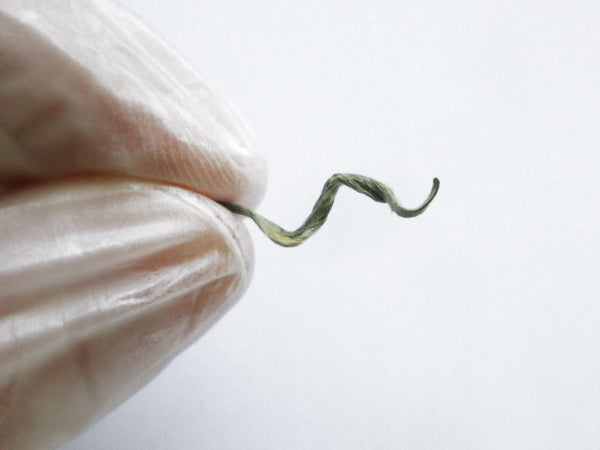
<point x="114" y="255"/>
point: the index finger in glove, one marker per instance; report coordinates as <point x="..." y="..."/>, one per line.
<point x="85" y="87"/>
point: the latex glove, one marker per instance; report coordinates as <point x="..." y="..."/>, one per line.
<point x="104" y="278"/>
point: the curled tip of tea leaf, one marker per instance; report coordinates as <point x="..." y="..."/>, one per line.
<point x="364" y="185"/>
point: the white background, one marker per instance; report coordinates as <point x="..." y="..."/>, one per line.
<point x="473" y="326"/>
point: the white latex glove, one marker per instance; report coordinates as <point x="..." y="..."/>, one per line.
<point x="113" y="254"/>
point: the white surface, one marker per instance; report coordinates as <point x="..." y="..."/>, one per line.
<point x="475" y="325"/>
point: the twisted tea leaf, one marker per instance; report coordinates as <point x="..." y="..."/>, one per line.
<point x="364" y="185"/>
